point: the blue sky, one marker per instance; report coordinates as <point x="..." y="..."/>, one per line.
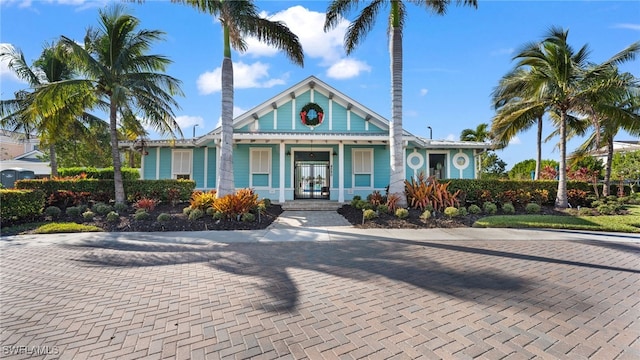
<point x="451" y="63"/>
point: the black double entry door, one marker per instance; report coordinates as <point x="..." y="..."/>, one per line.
<point x="312" y="171"/>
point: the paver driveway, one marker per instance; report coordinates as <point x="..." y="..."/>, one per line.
<point x="341" y="299"/>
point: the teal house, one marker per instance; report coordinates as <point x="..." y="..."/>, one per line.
<point x="309" y="142"/>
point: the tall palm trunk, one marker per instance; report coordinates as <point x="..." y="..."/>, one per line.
<point x="607" y="169"/>
<point x="115" y="153"/>
<point x="225" y="174"/>
<point x="539" y="150"/>
<point x="396" y="152"/>
<point x="53" y="160"/>
<point x="561" y="197"/>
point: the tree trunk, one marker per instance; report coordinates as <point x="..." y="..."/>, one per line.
<point x="53" y="160"/>
<point x="561" y="197"/>
<point x="396" y="185"/>
<point x="115" y="153"/>
<point x="226" y="184"/>
<point x="539" y="150"/>
<point x="607" y="168"/>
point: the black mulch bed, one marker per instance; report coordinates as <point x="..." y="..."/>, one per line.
<point x="413" y="221"/>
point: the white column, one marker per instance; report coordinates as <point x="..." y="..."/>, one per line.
<point x="293" y="114"/>
<point x="341" y="172"/>
<point x="348" y="120"/>
<point x="282" y="179"/>
<point x="158" y="163"/>
<point x="275" y="119"/>
<point x="206" y="167"/>
<point x="330" y="114"/>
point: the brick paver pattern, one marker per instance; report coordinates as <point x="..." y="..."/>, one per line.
<point x="322" y="300"/>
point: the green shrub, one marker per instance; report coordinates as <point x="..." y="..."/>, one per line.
<point x="73" y="211"/>
<point x="532" y="208"/>
<point x="425" y="215"/>
<point x="368" y="206"/>
<point x="164" y="217"/>
<point x="606" y="209"/>
<point x="489" y="208"/>
<point x="187" y="210"/>
<point x="88" y="215"/>
<point x="360" y="204"/>
<point x="121" y="208"/>
<point x="248" y="217"/>
<point x="113" y="217"/>
<point x="369" y="214"/>
<point x="508" y="208"/>
<point x="451" y="211"/>
<point x="101" y="208"/>
<point x="462" y="211"/>
<point x="218" y="215"/>
<point x="266" y="202"/>
<point x="54" y="228"/>
<point x="20" y="204"/>
<point x="585" y="211"/>
<point x="93" y="173"/>
<point x="52" y="211"/>
<point x="383" y="208"/>
<point x="210" y="211"/>
<point x="196" y="214"/>
<point x="103" y="190"/>
<point x="474" y="209"/>
<point x="141" y="215"/>
<point x="402" y="213"/>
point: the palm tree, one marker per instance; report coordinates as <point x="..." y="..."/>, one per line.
<point x="480" y="134"/>
<point x="20" y="114"/>
<point x="240" y="18"/>
<point x="122" y="77"/>
<point x="558" y="81"/>
<point x="614" y="107"/>
<point x="356" y="33"/>
<point x="508" y="121"/>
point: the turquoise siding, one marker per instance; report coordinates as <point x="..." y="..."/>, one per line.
<point x="266" y="121"/>
<point x="241" y="166"/>
<point x="165" y="163"/>
<point x="382" y="166"/>
<point x="284" y="117"/>
<point x="260" y="180"/>
<point x="362" y="180"/>
<point x="339" y="118"/>
<point x="357" y="123"/>
<point x="149" y="171"/>
<point x="198" y="167"/>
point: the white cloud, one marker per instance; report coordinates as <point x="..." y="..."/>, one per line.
<point x="5" y="72"/>
<point x="628" y="26"/>
<point x="245" y="76"/>
<point x="515" y="141"/>
<point x="503" y="51"/>
<point x="326" y="47"/>
<point x="347" y="68"/>
<point x="308" y="26"/>
<point x="186" y="121"/>
<point x="451" y="137"/>
<point x="237" y="111"/>
<point x="423" y="92"/>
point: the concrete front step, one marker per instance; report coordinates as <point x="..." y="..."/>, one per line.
<point x="311" y="205"/>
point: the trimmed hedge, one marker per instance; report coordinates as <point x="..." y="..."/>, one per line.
<point x="479" y="191"/>
<point x="20" y="204"/>
<point x="103" y="190"/>
<point x="104" y="174"/>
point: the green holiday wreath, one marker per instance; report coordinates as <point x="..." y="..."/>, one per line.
<point x="311" y="114"/>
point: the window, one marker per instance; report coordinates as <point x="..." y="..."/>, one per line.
<point x="362" y="161"/>
<point x="260" y="160"/>
<point x="181" y="164"/>
<point x="363" y="168"/>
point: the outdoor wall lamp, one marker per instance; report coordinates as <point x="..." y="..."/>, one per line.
<point x="288" y="153"/>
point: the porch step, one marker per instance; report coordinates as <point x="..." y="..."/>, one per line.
<point x="311" y="205"/>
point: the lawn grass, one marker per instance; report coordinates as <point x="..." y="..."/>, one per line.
<point x="615" y="223"/>
<point x="66" y="227"/>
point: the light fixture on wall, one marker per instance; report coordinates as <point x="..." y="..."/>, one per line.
<point x="288" y="153"/>
<point x="335" y="153"/>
